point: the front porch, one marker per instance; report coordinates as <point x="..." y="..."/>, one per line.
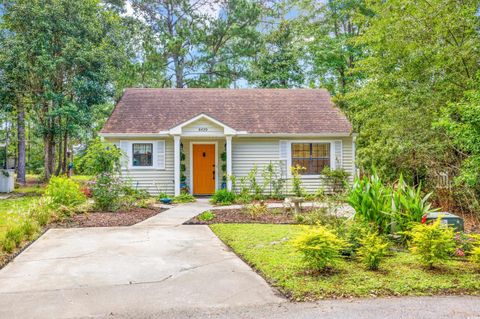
<point x="201" y="165"/>
<point x="202" y="154"/>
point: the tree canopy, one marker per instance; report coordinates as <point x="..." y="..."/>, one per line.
<point x="405" y="72"/>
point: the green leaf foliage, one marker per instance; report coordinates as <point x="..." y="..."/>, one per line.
<point x="432" y="243"/>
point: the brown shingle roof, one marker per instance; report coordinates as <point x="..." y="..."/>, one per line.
<point x="251" y="110"/>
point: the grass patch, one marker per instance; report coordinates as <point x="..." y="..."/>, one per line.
<point x="268" y="249"/>
<point x="13" y="210"/>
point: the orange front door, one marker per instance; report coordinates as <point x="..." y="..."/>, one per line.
<point x="203" y="169"/>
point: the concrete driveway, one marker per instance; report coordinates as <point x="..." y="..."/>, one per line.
<point x="101" y="271"/>
<point x="161" y="269"/>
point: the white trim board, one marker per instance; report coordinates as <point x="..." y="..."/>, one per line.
<point x="191" y="162"/>
<point x="227" y="130"/>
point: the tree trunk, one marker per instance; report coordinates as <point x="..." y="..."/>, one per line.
<point x="178" y="72"/>
<point x="65" y="151"/>
<point x="49" y="154"/>
<point x="60" y="157"/>
<point x="21" y="171"/>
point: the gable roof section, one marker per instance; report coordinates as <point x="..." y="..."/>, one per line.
<point x="256" y="111"/>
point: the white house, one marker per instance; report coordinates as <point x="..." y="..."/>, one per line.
<point x="192" y="139"/>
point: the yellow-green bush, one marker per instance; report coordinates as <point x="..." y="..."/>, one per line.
<point x="372" y="250"/>
<point x="432" y="243"/>
<point x="320" y="247"/>
<point x="64" y="192"/>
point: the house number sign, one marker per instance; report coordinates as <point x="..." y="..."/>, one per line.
<point x="203" y="129"/>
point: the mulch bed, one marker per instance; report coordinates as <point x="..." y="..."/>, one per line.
<point x="109" y="219"/>
<point x="240" y="216"/>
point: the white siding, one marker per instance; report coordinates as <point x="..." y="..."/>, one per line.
<point x="246" y="152"/>
<point x="153" y="180"/>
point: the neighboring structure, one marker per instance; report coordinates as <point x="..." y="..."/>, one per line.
<point x="193" y="138"/>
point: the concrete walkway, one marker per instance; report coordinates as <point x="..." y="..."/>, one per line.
<point x="178" y="214"/>
<point x="158" y="264"/>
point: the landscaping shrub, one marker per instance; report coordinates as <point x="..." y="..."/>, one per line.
<point x="162" y="195"/>
<point x="371" y="201"/>
<point x="372" y="250"/>
<point x="131" y="197"/>
<point x="137" y="194"/>
<point x="184" y="198"/>
<point x="320" y="247"/>
<point x="100" y="157"/>
<point x="408" y="205"/>
<point x="273" y="180"/>
<point x="432" y="243"/>
<point x="223" y="197"/>
<point x="392" y="209"/>
<point x="475" y="256"/>
<point x="352" y="231"/>
<point x="297" y="188"/>
<point x="318" y="216"/>
<point x="206" y="216"/>
<point x="106" y="191"/>
<point x="335" y="178"/>
<point x="64" y="192"/>
<point x="254" y="186"/>
<point x="256" y="210"/>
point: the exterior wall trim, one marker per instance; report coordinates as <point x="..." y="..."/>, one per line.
<point x="178" y="129"/>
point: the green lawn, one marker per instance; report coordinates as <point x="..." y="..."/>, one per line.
<point x="266" y="247"/>
<point x="13" y="210"/>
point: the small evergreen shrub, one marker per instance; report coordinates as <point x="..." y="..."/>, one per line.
<point x="432" y="243"/>
<point x="206" y="216"/>
<point x="320" y="247"/>
<point x="372" y="250"/>
<point x="223" y="197"/>
<point x="184" y="198"/>
<point x="64" y="192"/>
<point x="256" y="210"/>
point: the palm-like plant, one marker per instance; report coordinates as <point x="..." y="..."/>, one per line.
<point x="371" y="201"/>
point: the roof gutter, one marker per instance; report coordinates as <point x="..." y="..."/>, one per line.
<point x="339" y="134"/>
<point x="239" y="134"/>
<point x="133" y="135"/>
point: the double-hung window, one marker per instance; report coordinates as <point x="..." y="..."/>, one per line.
<point x="314" y="157"/>
<point x="142" y="154"/>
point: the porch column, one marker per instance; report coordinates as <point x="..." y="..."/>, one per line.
<point x="228" y="150"/>
<point x="176" y="164"/>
